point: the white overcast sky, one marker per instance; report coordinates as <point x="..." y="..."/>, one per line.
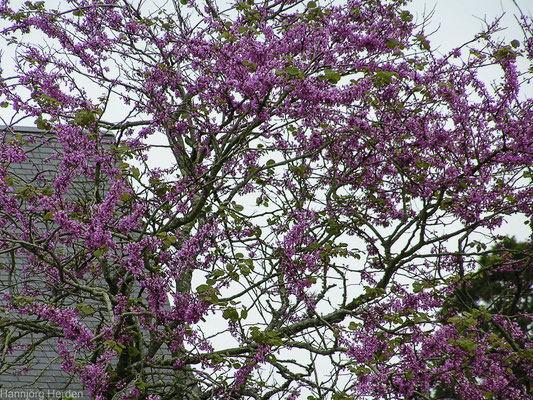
<point x="459" y="20"/>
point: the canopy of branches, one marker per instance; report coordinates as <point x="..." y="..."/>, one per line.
<point x="265" y="199"/>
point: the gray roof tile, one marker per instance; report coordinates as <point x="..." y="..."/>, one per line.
<point x="44" y="377"/>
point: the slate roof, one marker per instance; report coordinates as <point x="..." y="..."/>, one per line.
<point x="44" y="379"/>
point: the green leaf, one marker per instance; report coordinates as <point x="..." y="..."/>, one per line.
<point x="172" y="238"/>
<point x="384" y="77"/>
<point x="424" y="43"/>
<point x="10" y="181"/>
<point x="311" y="4"/>
<point x="118" y="347"/>
<point x="293" y="71"/>
<point x="392" y="43"/>
<point x="330" y="75"/>
<point x="87" y="310"/>
<point x="133" y="351"/>
<point x="417" y="287"/>
<point x="42" y="124"/>
<point x="203" y="288"/>
<point x="212" y="298"/>
<point x="4" y="104"/>
<point x="85" y="117"/>
<point x="313" y="246"/>
<point x="252" y="67"/>
<point x="406" y="16"/>
<point x="467" y="344"/>
<point x="249" y="262"/>
<point x="504" y="52"/>
<point x="244" y="269"/>
<point x="231" y="314"/>
<point x="515" y="43"/>
<point x="141" y="385"/>
<point x="455" y="319"/>
<point x="125" y="197"/>
<point x="48" y="216"/>
<point x="352" y="326"/>
<point x="216" y="358"/>
<point x="334" y="78"/>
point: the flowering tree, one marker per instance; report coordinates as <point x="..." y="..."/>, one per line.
<point x="501" y="285"/>
<point x="328" y="182"/>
